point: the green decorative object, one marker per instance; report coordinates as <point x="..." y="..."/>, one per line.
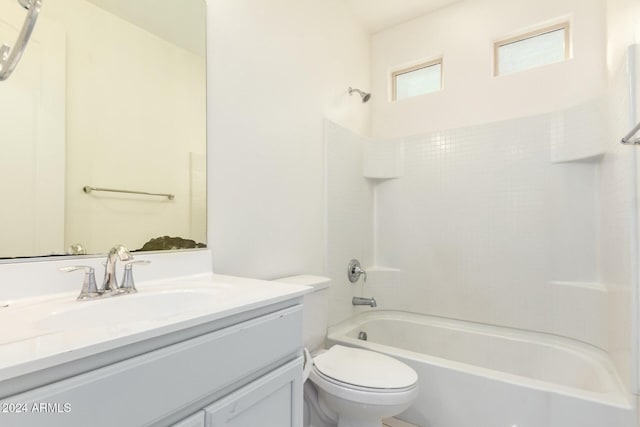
<point x="170" y="243"/>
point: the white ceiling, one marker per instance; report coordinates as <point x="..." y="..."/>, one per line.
<point x="377" y="15"/>
<point x="181" y="22"/>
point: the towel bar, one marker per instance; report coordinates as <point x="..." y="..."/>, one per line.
<point x="88" y="189"/>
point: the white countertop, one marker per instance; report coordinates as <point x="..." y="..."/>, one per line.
<point x="28" y="345"/>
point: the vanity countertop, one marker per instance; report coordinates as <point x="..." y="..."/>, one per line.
<point x="44" y="332"/>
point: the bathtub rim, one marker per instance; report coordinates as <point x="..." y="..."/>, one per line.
<point x="618" y="397"/>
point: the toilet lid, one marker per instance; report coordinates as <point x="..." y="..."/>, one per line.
<point x="364" y="368"/>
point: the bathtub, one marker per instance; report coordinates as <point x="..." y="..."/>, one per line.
<point x="474" y="375"/>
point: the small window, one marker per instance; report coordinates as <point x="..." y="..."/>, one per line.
<point x="417" y="80"/>
<point x="534" y="49"/>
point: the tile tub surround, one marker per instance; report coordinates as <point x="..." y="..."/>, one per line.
<point x="528" y="223"/>
<point x="487" y="225"/>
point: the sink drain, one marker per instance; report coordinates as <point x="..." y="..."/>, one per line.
<point x="362" y="335"/>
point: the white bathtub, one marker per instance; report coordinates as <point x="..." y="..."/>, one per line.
<point x="474" y="375"/>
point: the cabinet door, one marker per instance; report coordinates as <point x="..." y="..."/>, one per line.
<point x="274" y="400"/>
<point x="195" y="420"/>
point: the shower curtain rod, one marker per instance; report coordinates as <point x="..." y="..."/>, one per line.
<point x="626" y="140"/>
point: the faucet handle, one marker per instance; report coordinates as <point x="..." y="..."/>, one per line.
<point x="89" y="286"/>
<point x="128" y="284"/>
<point x="354" y="270"/>
<point x="364" y="273"/>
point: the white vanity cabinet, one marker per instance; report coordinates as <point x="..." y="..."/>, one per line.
<point x="246" y="374"/>
<point x="273" y="400"/>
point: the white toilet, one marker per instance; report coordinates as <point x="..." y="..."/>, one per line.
<point x="347" y="387"/>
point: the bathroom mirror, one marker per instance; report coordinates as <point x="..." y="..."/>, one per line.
<point x="109" y="94"/>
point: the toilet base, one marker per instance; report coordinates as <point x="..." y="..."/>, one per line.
<point x="346" y="421"/>
<point x="394" y="422"/>
<point x="359" y="414"/>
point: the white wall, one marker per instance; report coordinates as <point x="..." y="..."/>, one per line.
<point x="463" y="34"/>
<point x="623" y="29"/>
<point x="135" y="110"/>
<point x="275" y="70"/>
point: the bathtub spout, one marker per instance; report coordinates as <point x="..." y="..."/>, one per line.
<point x="371" y="302"/>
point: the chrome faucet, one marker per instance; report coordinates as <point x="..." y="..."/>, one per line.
<point x="371" y="302"/>
<point x="110" y="283"/>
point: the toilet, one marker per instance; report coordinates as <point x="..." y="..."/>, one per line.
<point x="347" y="387"/>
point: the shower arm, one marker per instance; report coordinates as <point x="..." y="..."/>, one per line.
<point x="9" y="57"/>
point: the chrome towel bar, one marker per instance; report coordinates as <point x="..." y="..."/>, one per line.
<point x="88" y="189"/>
<point x="626" y="140"/>
<point x="9" y="57"/>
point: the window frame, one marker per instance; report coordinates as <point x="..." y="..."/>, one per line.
<point x="566" y="26"/>
<point x="406" y="70"/>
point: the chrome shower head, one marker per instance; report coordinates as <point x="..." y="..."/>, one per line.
<point x="364" y="95"/>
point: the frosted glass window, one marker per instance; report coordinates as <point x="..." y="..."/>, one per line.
<point x="532" y="50"/>
<point x="417" y="80"/>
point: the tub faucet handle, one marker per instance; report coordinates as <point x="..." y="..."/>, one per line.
<point x="354" y="270"/>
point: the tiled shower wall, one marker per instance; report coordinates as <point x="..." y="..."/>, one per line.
<point x="498" y="224"/>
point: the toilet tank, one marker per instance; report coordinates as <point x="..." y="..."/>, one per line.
<point x="315" y="310"/>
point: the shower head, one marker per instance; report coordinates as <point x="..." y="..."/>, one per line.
<point x="364" y="95"/>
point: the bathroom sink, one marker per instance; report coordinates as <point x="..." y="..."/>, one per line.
<point x="125" y="310"/>
<point x="152" y="306"/>
<point x="52" y="329"/>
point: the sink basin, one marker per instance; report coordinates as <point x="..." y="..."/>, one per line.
<point x="111" y="317"/>
<point x="129" y="309"/>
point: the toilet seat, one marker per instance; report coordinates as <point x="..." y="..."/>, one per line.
<point x="364" y="369"/>
<point x="363" y="376"/>
<point x="322" y="377"/>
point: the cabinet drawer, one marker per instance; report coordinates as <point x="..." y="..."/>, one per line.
<point x="195" y="420"/>
<point x="272" y="400"/>
<point x="147" y="388"/>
